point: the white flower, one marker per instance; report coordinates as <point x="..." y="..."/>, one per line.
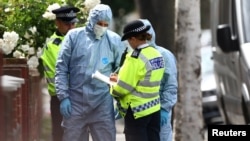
<point x="53" y="7"/>
<point x="7" y="10"/>
<point x="33" y="62"/>
<point x="39" y="52"/>
<point x="89" y="4"/>
<point x="7" y="48"/>
<point x="27" y="35"/>
<point x="33" y="30"/>
<point x="49" y="16"/>
<point x="48" y="13"/>
<point x="17" y="54"/>
<point x="31" y="51"/>
<point x="30" y="42"/>
<point x="11" y="36"/>
<point x="9" y="42"/>
<point x="25" y="48"/>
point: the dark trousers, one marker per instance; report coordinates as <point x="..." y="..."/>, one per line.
<point x="56" y="119"/>
<point x="143" y="129"/>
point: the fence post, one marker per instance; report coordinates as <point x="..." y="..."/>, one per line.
<point x="29" y="99"/>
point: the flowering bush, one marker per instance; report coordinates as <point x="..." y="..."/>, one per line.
<point x="23" y="31"/>
<point x="26" y="25"/>
<point x="9" y="44"/>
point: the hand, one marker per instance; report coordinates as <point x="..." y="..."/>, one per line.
<point x="117" y="114"/>
<point x="164" y="117"/>
<point x="65" y="108"/>
<point x="113" y="77"/>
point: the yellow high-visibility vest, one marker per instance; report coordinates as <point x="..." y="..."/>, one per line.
<point x="49" y="57"/>
<point x="139" y="82"/>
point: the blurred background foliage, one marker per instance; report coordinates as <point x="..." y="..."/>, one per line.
<point x="20" y="15"/>
<point x="120" y="7"/>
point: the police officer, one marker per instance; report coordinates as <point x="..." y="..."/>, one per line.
<point x="138" y="83"/>
<point x="65" y="20"/>
<point x="169" y="86"/>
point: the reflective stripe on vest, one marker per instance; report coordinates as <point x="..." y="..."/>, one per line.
<point x="133" y="91"/>
<point x="141" y="96"/>
<point x="143" y="83"/>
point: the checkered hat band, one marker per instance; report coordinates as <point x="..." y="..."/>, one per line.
<point x="137" y="29"/>
<point x="66" y="15"/>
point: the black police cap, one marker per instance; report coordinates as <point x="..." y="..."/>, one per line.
<point x="134" y="28"/>
<point x="66" y="13"/>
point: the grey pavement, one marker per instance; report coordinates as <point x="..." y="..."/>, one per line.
<point x="119" y="130"/>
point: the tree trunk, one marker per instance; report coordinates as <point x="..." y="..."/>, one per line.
<point x="188" y="122"/>
<point x="161" y="14"/>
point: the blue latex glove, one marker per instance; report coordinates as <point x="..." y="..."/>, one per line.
<point x="164" y="117"/>
<point x="65" y="108"/>
<point x="117" y="114"/>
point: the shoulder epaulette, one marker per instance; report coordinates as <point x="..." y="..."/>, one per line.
<point x="136" y="53"/>
<point x="57" y="41"/>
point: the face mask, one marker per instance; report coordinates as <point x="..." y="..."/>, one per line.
<point x="99" y="30"/>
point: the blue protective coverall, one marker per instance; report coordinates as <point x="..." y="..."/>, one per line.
<point x="169" y="85"/>
<point x="81" y="55"/>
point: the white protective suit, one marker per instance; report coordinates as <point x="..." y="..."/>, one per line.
<point x="81" y="55"/>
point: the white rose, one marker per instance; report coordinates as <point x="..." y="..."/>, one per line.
<point x="31" y="51"/>
<point x="39" y="52"/>
<point x="25" y="48"/>
<point x="33" y="30"/>
<point x="11" y="37"/>
<point x="7" y="48"/>
<point x="33" y="62"/>
<point x="27" y="35"/>
<point x="17" y="54"/>
<point x="48" y="13"/>
<point x="89" y="4"/>
<point x="53" y="7"/>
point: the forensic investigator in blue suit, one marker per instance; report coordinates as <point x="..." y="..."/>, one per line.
<point x="85" y="102"/>
<point x="168" y="88"/>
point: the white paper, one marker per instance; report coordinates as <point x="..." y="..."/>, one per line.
<point x="102" y="77"/>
